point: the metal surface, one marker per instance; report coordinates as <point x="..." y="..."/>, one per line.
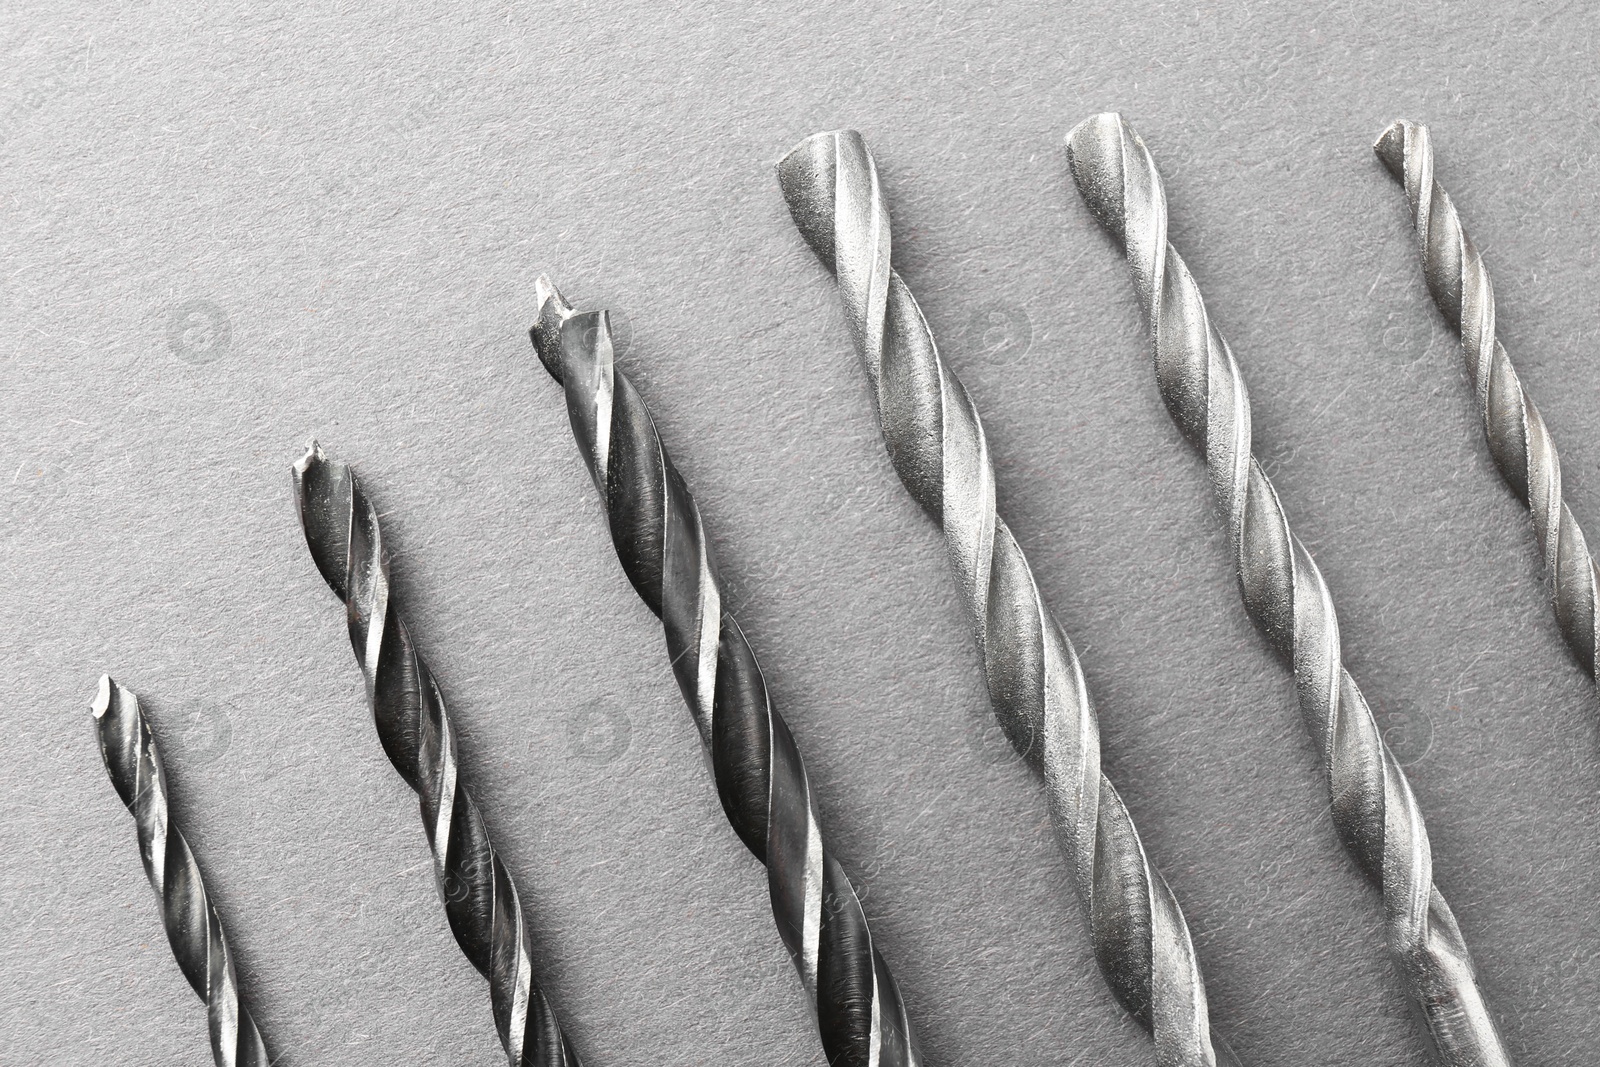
<point x="1372" y="804"/>
<point x="342" y="532"/>
<point x="936" y="443"/>
<point x="760" y="776"/>
<point x="193" y="929"/>
<point x="1518" y="439"/>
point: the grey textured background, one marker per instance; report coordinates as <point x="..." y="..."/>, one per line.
<point x="365" y="197"/>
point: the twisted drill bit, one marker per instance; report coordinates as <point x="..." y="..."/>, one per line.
<point x="193" y="929"/>
<point x="1517" y="436"/>
<point x="761" y="779"/>
<point x="1284" y="593"/>
<point x="936" y="443"/>
<point x="342" y="532"/>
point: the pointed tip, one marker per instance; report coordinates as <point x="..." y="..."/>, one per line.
<point x="807" y="144"/>
<point x="1390" y="146"/>
<point x="1102" y="119"/>
<point x="313" y="455"/>
<point x="543" y="290"/>
<point x="102" y="697"/>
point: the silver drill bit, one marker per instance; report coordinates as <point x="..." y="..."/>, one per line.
<point x="193" y="929"/>
<point x="1036" y="685"/>
<point x="760" y="776"/>
<point x="342" y="532"/>
<point x="1284" y="592"/>
<point x="1518" y="439"/>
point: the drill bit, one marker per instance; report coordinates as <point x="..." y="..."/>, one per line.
<point x="936" y="443"/>
<point x="1284" y="592"/>
<point x="761" y="779"/>
<point x="193" y="929"/>
<point x="1518" y="439"/>
<point x="342" y="532"/>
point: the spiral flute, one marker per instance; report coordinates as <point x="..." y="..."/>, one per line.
<point x="761" y="779"/>
<point x="1284" y="592"/>
<point x="1518" y="439"/>
<point x="342" y="532"/>
<point x="193" y="929"/>
<point x="936" y="443"/>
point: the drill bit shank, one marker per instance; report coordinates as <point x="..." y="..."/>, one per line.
<point x="193" y="929"/>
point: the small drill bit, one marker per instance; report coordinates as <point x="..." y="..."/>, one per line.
<point x="1518" y="439"/>
<point x="761" y="779"/>
<point x="1284" y="592"/>
<point x="936" y="443"/>
<point x="193" y="929"/>
<point x="342" y="532"/>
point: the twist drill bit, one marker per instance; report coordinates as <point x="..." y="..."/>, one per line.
<point x="1284" y="592"/>
<point x="342" y="532"/>
<point x="1518" y="439"/>
<point x="936" y="443"/>
<point x="193" y="929"/>
<point x="761" y="779"/>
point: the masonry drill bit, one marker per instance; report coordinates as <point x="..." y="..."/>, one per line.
<point x="936" y="443"/>
<point x="341" y="528"/>
<point x="1518" y="439"/>
<point x="1284" y="592"/>
<point x="193" y="929"/>
<point x="655" y="527"/>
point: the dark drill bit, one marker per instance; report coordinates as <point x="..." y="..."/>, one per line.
<point x="193" y="929"/>
<point x="1518" y="439"/>
<point x="760" y="777"/>
<point x="342" y="532"/>
<point x="1284" y="593"/>
<point x="936" y="443"/>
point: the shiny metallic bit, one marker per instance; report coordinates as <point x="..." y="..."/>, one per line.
<point x="1036" y="685"/>
<point x="1284" y="593"/>
<point x="193" y="929"/>
<point x="342" y="532"/>
<point x="760" y="777"/>
<point x="1518" y="439"/>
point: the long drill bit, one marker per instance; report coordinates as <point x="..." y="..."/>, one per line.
<point x="1036" y="684"/>
<point x="342" y="532"/>
<point x="193" y="929"/>
<point x="1284" y="592"/>
<point x="1518" y="439"/>
<point x="761" y="779"/>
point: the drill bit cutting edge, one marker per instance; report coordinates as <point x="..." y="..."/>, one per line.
<point x="760" y="777"/>
<point x="1518" y="439"/>
<point x="1284" y="592"/>
<point x="193" y="929"/>
<point x="936" y="443"/>
<point x="342" y="532"/>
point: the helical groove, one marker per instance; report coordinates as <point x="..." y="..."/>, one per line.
<point x="1036" y="685"/>
<point x="1284" y="593"/>
<point x="1518" y="439"/>
<point x="485" y="914"/>
<point x="193" y="929"/>
<point x="761" y="779"/>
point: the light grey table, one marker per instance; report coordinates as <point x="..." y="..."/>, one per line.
<point x="223" y="234"/>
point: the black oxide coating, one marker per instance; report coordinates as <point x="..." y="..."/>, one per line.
<point x="760" y="777"/>
<point x="342" y="532"/>
<point x="193" y="929"/>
